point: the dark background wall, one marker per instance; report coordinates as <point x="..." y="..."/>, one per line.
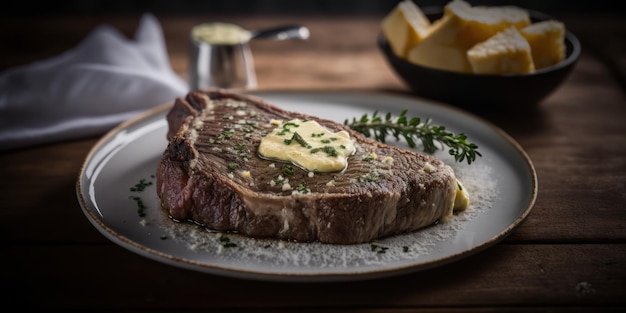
<point x="352" y="7"/>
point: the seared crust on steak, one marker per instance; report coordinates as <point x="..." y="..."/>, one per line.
<point x="211" y="174"/>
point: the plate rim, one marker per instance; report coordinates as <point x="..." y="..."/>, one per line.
<point x="358" y="274"/>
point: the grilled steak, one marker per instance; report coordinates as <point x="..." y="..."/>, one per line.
<point x="211" y="174"/>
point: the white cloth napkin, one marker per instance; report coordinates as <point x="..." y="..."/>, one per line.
<point x="105" y="80"/>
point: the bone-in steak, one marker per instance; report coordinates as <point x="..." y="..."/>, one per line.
<point x="211" y="174"/>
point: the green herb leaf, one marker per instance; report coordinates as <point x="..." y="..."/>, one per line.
<point x="139" y="187"/>
<point x="412" y="130"/>
<point x="378" y="248"/>
<point x="330" y="151"/>
<point x="298" y="139"/>
<point x="225" y="242"/>
<point x="287" y="169"/>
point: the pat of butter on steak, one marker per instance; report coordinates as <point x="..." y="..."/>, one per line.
<point x="211" y="174"/>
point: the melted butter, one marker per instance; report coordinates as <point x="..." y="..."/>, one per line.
<point x="220" y="33"/>
<point x="309" y="145"/>
<point x="461" y="200"/>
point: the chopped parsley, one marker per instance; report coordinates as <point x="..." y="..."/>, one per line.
<point x="378" y="248"/>
<point x="286" y="125"/>
<point x="225" y="242"/>
<point x="286" y="128"/>
<point x="298" y="139"/>
<point x="141" y="207"/>
<point x="327" y="149"/>
<point x="226" y="134"/>
<point x="141" y="185"/>
<point x="287" y="169"/>
<point x="371" y="177"/>
<point x="302" y="188"/>
<point x="138" y="188"/>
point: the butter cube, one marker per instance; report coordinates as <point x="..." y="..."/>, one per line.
<point x="461" y="27"/>
<point x="482" y="22"/>
<point x="404" y="27"/>
<point x="507" y="52"/>
<point x="547" y="42"/>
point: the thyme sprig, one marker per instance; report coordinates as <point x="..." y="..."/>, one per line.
<point x="413" y="130"/>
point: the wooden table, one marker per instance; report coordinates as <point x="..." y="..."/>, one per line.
<point x="569" y="255"/>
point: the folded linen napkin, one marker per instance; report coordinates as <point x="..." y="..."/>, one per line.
<point x="103" y="81"/>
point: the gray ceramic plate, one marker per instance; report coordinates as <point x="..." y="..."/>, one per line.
<point x="502" y="184"/>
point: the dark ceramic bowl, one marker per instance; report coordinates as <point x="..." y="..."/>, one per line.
<point x="480" y="91"/>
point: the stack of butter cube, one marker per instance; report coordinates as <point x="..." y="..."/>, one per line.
<point x="474" y="39"/>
